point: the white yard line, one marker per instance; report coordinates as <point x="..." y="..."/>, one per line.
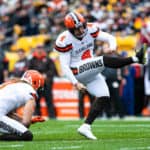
<point x="65" y="147"/>
<point x="135" y="148"/>
<point x="13" y="146"/>
<point x="127" y="139"/>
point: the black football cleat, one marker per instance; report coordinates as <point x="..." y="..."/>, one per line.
<point x="140" y="54"/>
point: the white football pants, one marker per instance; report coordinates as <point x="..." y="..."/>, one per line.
<point x="89" y="73"/>
<point x="11" y="126"/>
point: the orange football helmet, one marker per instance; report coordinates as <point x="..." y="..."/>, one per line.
<point x="34" y="78"/>
<point x="75" y="20"/>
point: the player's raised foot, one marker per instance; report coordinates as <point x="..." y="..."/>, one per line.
<point x="140" y="54"/>
<point x="85" y="130"/>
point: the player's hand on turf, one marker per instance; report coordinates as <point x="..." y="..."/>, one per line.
<point x="80" y="87"/>
<point x="37" y="119"/>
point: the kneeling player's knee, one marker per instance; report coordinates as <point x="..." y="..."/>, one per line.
<point x="27" y="136"/>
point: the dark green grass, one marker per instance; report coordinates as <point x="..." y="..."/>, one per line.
<point x="62" y="135"/>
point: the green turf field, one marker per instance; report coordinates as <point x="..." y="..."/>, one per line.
<point x="62" y="135"/>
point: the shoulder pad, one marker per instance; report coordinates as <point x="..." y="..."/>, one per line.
<point x="93" y="29"/>
<point x="62" y="43"/>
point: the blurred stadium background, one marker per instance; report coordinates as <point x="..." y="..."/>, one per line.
<point x="25" y="24"/>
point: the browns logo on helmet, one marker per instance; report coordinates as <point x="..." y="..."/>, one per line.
<point x="75" y="21"/>
<point x="34" y="78"/>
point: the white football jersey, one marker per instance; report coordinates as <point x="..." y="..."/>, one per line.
<point x="15" y="95"/>
<point x="74" y="51"/>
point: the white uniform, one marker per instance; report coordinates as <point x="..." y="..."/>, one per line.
<point x="76" y="62"/>
<point x="12" y="96"/>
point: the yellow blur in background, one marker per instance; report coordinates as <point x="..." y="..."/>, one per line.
<point x="27" y="43"/>
<point x="126" y="43"/>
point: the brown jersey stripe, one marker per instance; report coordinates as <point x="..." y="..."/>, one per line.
<point x="63" y="49"/>
<point x="75" y="71"/>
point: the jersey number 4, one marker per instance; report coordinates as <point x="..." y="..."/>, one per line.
<point x="86" y="55"/>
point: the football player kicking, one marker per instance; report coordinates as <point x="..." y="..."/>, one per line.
<point x="75" y="46"/>
<point x="16" y="93"/>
